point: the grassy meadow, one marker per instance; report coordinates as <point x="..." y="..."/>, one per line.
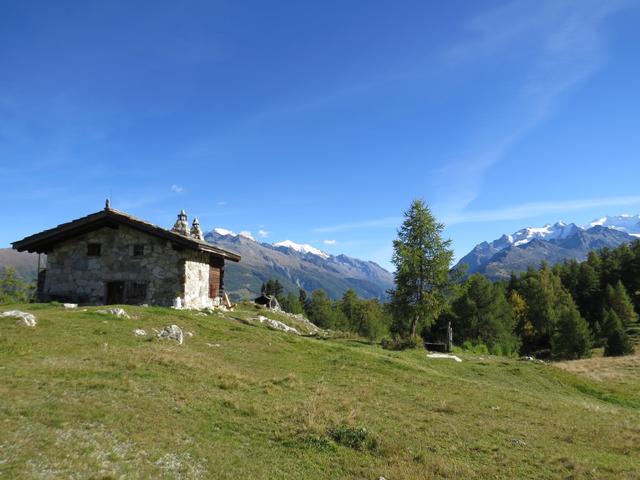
<point x="82" y="397"/>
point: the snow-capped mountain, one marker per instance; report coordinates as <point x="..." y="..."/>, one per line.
<point x="625" y="223"/>
<point x="552" y="243"/>
<point x="546" y="232"/>
<point x="286" y="244"/>
<point x="296" y="266"/>
<point x="304" y="248"/>
<point x="224" y="232"/>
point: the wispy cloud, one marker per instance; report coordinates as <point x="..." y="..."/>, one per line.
<point x="221" y="204"/>
<point x="381" y="222"/>
<point x="511" y="212"/>
<point x="566" y="45"/>
<point x="263" y="233"/>
<point x="329" y="242"/>
<point x="177" y="188"/>
<point x="534" y="209"/>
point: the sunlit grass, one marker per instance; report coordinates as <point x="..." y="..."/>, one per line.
<point x="82" y="397"/>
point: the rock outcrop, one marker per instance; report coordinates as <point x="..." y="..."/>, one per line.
<point x="24" y="318"/>
<point x="172" y="332"/>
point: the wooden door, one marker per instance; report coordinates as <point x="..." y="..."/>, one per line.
<point x="115" y="293"/>
<point x="214" y="282"/>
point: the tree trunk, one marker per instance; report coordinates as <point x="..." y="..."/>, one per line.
<point x="414" y="324"/>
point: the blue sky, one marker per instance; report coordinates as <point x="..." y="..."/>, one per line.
<point x="320" y="121"/>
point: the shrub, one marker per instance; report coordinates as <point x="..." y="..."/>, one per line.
<point x="399" y="343"/>
<point x="477" y="348"/>
<point x="317" y="442"/>
<point x="357" y="438"/>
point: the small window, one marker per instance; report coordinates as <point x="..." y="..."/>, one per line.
<point x="138" y="250"/>
<point x="93" y="250"/>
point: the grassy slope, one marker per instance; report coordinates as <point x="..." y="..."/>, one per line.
<point x="82" y="397"/>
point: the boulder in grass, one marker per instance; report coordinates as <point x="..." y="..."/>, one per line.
<point x="277" y="325"/>
<point x="172" y="332"/>
<point x="138" y="332"/>
<point x="118" y="312"/>
<point x="24" y="318"/>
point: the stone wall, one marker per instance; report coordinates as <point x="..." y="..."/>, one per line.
<point x="167" y="272"/>
<point x="196" y="281"/>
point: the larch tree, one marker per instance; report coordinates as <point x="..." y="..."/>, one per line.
<point x="422" y="259"/>
<point x="618" y="300"/>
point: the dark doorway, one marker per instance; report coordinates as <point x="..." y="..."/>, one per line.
<point x="115" y="293"/>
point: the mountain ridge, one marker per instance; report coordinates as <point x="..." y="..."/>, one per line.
<point x="297" y="266"/>
<point x="552" y="243"/>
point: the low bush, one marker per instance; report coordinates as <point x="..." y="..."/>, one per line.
<point x="399" y="343"/>
<point x="357" y="438"/>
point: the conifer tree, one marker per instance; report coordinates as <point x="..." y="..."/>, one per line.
<point x="572" y="339"/>
<point x="304" y="300"/>
<point x="482" y="313"/>
<point x="618" y="300"/>
<point x="618" y="342"/>
<point x="349" y="306"/>
<point x="422" y="259"/>
<point x="291" y="304"/>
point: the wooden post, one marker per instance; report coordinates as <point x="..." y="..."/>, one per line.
<point x="449" y="337"/>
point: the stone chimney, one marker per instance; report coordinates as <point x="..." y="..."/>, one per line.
<point x="196" y="231"/>
<point x="182" y="225"/>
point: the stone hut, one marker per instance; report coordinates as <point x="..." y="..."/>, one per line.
<point x="110" y="257"/>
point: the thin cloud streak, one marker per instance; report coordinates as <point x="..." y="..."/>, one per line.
<point x="514" y="212"/>
<point x="535" y="209"/>
<point x="569" y="48"/>
<point x="381" y="222"/>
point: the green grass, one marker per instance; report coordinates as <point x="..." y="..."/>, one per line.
<point x="82" y="397"/>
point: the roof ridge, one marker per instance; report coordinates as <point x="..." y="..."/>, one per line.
<point x="39" y="241"/>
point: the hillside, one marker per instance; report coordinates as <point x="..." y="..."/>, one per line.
<point x="26" y="264"/>
<point x="82" y="397"/>
<point x="297" y="266"/>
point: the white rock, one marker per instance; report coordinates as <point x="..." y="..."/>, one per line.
<point x="24" y="318"/>
<point x="172" y="332"/>
<point x="138" y="332"/>
<point x="177" y="303"/>
<point x="277" y="325"/>
<point x="70" y="305"/>
<point x="444" y="355"/>
<point x="118" y="312"/>
<point x="213" y="345"/>
<point x="189" y="334"/>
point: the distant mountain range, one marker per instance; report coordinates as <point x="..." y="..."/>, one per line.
<point x="551" y="243"/>
<point x="26" y="264"/>
<point x="296" y="266"/>
<point x="304" y="266"/>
